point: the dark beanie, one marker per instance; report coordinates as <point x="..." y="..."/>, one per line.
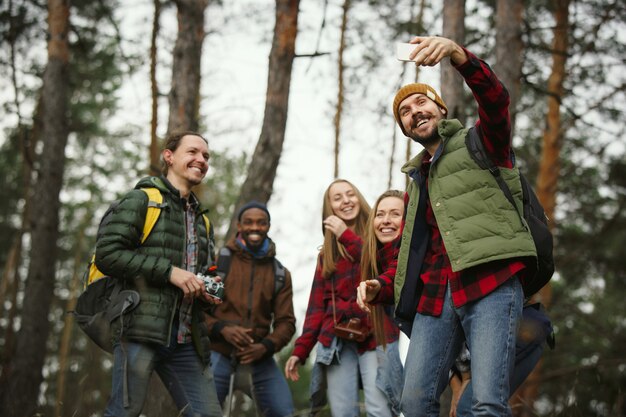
<point x="253" y="204"/>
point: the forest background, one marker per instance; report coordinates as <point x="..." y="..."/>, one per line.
<point x="292" y="94"/>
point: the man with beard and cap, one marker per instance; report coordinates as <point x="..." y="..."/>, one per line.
<point x="255" y="319"/>
<point x="463" y="247"/>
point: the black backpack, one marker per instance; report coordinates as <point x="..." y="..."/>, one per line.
<point x="534" y="217"/>
<point x="223" y="266"/>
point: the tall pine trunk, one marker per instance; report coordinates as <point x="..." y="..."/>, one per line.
<point x="451" y="81"/>
<point x="509" y="49"/>
<point x="155" y="146"/>
<point x="19" y="397"/>
<point x="416" y="29"/>
<point x="184" y="97"/>
<point x="262" y="169"/>
<point x="340" y="84"/>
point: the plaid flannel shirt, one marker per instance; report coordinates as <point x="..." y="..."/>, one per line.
<point x="319" y="323"/>
<point x="387" y="258"/>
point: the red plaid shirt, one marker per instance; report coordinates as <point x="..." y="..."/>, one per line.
<point x="387" y="257"/>
<point x="319" y="323"/>
<point x="495" y="128"/>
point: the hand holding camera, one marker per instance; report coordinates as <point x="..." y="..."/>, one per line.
<point x="212" y="284"/>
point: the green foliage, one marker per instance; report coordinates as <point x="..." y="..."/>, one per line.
<point x="588" y="297"/>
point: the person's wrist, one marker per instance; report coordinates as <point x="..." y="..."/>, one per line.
<point x="458" y="56"/>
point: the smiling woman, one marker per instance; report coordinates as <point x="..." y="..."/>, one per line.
<point x="333" y="315"/>
<point x="388" y="214"/>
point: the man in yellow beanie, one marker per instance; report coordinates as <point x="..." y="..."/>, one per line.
<point x="460" y="262"/>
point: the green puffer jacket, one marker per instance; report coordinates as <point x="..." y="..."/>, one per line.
<point x="146" y="268"/>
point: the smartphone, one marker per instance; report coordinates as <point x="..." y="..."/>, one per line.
<point x="403" y="50"/>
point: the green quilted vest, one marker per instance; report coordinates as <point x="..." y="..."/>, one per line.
<point x="477" y="223"/>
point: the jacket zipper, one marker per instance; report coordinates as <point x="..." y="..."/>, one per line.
<point x="250" y="293"/>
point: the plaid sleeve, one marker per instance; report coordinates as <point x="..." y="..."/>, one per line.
<point x="353" y="244"/>
<point x="494" y="121"/>
<point x="388" y="259"/>
<point x="314" y="316"/>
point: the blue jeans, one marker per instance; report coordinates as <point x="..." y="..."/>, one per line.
<point x="522" y="369"/>
<point x="489" y="325"/>
<point x="528" y="351"/>
<point x="342" y="378"/>
<point x="269" y="387"/>
<point x="188" y="380"/>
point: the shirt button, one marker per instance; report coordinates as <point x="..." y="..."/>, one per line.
<point x="447" y="233"/>
<point x="438" y="204"/>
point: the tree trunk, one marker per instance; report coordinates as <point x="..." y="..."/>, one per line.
<point x="68" y="322"/>
<point x="550" y="165"/>
<point x="415" y="28"/>
<point x="184" y="97"/>
<point x="262" y="170"/>
<point x="10" y="286"/>
<point x="155" y="146"/>
<point x="451" y="81"/>
<point x="340" y="90"/>
<point x="25" y="372"/>
<point x="549" y="170"/>
<point x="509" y="49"/>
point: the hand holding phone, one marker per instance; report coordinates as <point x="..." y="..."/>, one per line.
<point x="403" y="50"/>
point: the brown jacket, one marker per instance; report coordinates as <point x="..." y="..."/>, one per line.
<point x="249" y="301"/>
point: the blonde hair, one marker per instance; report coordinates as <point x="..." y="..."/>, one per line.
<point x="332" y="249"/>
<point x="369" y="263"/>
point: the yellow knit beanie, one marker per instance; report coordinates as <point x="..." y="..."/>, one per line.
<point x="410" y="89"/>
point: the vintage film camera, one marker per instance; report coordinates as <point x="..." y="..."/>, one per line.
<point x="352" y="330"/>
<point x="213" y="288"/>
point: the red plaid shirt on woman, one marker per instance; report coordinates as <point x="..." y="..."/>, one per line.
<point x="495" y="128"/>
<point x="319" y="323"/>
<point x="387" y="258"/>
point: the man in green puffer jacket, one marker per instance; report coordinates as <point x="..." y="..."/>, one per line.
<point x="166" y="331"/>
<point x="464" y="249"/>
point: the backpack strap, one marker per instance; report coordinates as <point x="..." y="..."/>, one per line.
<point x="223" y="263"/>
<point x="207" y="223"/>
<point x="155" y="204"/>
<point x="93" y="273"/>
<point x="477" y="151"/>
<point x="279" y="276"/>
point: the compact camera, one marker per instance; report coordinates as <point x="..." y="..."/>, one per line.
<point x="353" y="330"/>
<point x="213" y="288"/>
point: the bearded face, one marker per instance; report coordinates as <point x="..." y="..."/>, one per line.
<point x="420" y="116"/>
